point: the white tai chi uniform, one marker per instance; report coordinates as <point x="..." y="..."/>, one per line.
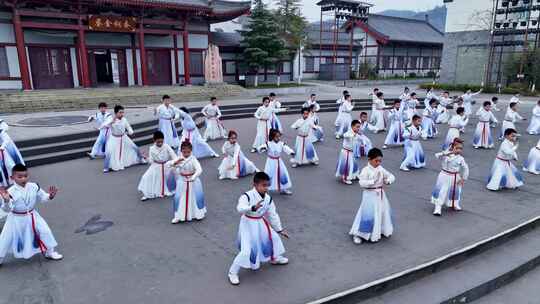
<point x="373" y="107"/>
<point x="429" y="96"/>
<point x="404" y="97"/>
<point x="25" y="232"/>
<point x="410" y="108"/>
<point x="99" y="146"/>
<point x="448" y="188"/>
<point x="396" y="120"/>
<point x="532" y="164"/>
<point x="364" y="142"/>
<point x="188" y="201"/>
<point x="347" y="167"/>
<point x="275" y="123"/>
<point x="379" y="116"/>
<point x="8" y="145"/>
<point x="429" y="116"/>
<point x="456" y="126"/>
<point x="167" y="116"/>
<point x="234" y="163"/>
<point x="414" y="157"/>
<point x="214" y="127"/>
<point x="374" y="217"/>
<point x="482" y="137"/>
<point x="201" y="148"/>
<point x="263" y="115"/>
<point x="6" y="164"/>
<point x="275" y="167"/>
<point x="304" y="149"/>
<point x="503" y="173"/>
<point x="344" y="118"/>
<point x="153" y="183"/>
<point x="315" y="135"/>
<point x="510" y="118"/>
<point x="467" y="102"/>
<point x="443" y="115"/>
<point x="534" y="126"/>
<point x="258" y="239"/>
<point x="120" y="152"/>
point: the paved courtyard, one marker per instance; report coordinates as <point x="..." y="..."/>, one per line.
<point x="142" y="258"/>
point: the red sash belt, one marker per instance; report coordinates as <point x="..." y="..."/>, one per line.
<point x="504" y="159"/>
<point x="449" y="172"/>
<point x="377" y="188"/>
<point x="274" y="157"/>
<point x="454" y="185"/>
<point x="121" y="146"/>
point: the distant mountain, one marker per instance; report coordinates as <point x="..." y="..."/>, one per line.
<point x="437" y="16"/>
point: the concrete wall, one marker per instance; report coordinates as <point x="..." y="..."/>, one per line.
<point x="467" y="15"/>
<point x="465" y="56"/>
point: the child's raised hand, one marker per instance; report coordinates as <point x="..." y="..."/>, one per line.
<point x="52" y="192"/>
<point x="4" y="194"/>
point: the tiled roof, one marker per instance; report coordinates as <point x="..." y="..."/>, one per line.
<point x="404" y="30"/>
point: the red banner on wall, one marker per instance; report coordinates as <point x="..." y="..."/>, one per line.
<point x="112" y="23"/>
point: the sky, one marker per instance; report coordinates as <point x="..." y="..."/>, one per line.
<point x="312" y="11"/>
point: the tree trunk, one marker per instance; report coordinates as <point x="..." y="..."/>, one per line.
<point x="256" y="82"/>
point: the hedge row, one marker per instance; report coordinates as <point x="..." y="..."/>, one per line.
<point x="475" y="88"/>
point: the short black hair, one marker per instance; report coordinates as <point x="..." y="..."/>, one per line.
<point x="213" y="98"/>
<point x="376" y="89"/>
<point x="265" y="98"/>
<point x="413" y="94"/>
<point x="446" y="92"/>
<point x="231" y="133"/>
<point x="184" y="109"/>
<point x="186" y="144"/>
<point x="272" y="134"/>
<point x="494" y="98"/>
<point x="312" y="107"/>
<point x="460" y="110"/>
<point x="397" y="101"/>
<point x="304" y="109"/>
<point x="512" y="104"/>
<point x="345" y="92"/>
<point x="509" y="131"/>
<point x="158" y="135"/>
<point x="313" y="94"/>
<point x="165" y="97"/>
<point x="432" y="101"/>
<point x="102" y="105"/>
<point x="19" y="168"/>
<point x="347" y="96"/>
<point x="363" y="113"/>
<point x="272" y="94"/>
<point x="374" y="153"/>
<point x="118" y="108"/>
<point x="406" y="88"/>
<point x="379" y="94"/>
<point x="355" y="122"/>
<point x="416" y="116"/>
<point x="260" y="177"/>
<point x="486" y="103"/>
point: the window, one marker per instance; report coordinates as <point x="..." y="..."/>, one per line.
<point x="4" y="66"/>
<point x="425" y="62"/>
<point x="387" y="62"/>
<point x="310" y="64"/>
<point x="400" y="62"/>
<point x="413" y="62"/>
<point x="436" y="62"/>
<point x="196" y="64"/>
<point x="230" y="67"/>
<point x="286" y="67"/>
<point x="328" y="59"/>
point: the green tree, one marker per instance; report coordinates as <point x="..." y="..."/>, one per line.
<point x="293" y="26"/>
<point x="263" y="45"/>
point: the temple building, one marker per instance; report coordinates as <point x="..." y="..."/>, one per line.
<point x="54" y="44"/>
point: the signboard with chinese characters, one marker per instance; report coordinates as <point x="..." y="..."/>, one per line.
<point x="112" y="23"/>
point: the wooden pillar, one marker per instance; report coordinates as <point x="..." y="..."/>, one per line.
<point x="134" y="59"/>
<point x="21" y="51"/>
<point x="83" y="55"/>
<point x="144" y="66"/>
<point x="187" y="76"/>
<point x="176" y="64"/>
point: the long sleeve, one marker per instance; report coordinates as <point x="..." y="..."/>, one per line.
<point x="364" y="180"/>
<point x="464" y="170"/>
<point x="224" y="148"/>
<point x="236" y="151"/>
<point x="243" y="205"/>
<point x="204" y="111"/>
<point x="518" y="117"/>
<point x="389" y="177"/>
<point x="258" y="113"/>
<point x="107" y="123"/>
<point x="198" y="169"/>
<point x="273" y="217"/>
<point x="43" y="196"/>
<point x="172" y="154"/>
<point x="297" y="124"/>
<point x="129" y="129"/>
<point x="5" y="127"/>
<point x="536" y="111"/>
<point x="218" y="112"/>
<point x="287" y="149"/>
<point x="492" y="117"/>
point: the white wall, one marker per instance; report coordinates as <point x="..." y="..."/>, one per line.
<point x="129" y="63"/>
<point x="75" y="71"/>
<point x="463" y="15"/>
<point x="6" y="33"/>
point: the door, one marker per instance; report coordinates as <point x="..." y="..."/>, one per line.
<point x="159" y="67"/>
<point x="51" y="67"/>
<point x="122" y="67"/>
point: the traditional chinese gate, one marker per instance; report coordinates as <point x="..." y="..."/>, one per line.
<point x="159" y="67"/>
<point x="51" y="67"/>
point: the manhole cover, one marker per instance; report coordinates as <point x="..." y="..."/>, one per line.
<point x="52" y="121"/>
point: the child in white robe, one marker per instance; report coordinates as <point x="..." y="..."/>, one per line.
<point x="428" y="120"/>
<point x="532" y="164"/>
<point x="167" y="115"/>
<point x="534" y="126"/>
<point x="374" y="217"/>
<point x="410" y="107"/>
<point x="482" y="137"/>
<point x="304" y="149"/>
<point x="397" y="123"/>
<point x="494" y="102"/>
<point x="25" y="232"/>
<point x="188" y="201"/>
<point x="190" y="133"/>
<point x="365" y="142"/>
<point x="373" y="96"/>
<point x="153" y="183"/>
<point x="456" y="126"/>
<point x="379" y="115"/>
<point x="280" y="180"/>
<point x="406" y="95"/>
<point x="263" y="115"/>
<point x="510" y="118"/>
<point x="234" y="164"/>
<point x="454" y="173"/>
<point x="341" y="99"/>
<point x="6" y="164"/>
<point x="347" y="168"/>
<point x="344" y="117"/>
<point x="98" y="149"/>
<point x="315" y="135"/>
<point x="443" y="114"/>
<point x="503" y="173"/>
<point x="120" y="152"/>
<point x="430" y="95"/>
<point x="468" y="100"/>
<point x="414" y="157"/>
<point x="259" y="231"/>
<point x="275" y="123"/>
<point x="214" y="127"/>
<point x="8" y="145"/>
